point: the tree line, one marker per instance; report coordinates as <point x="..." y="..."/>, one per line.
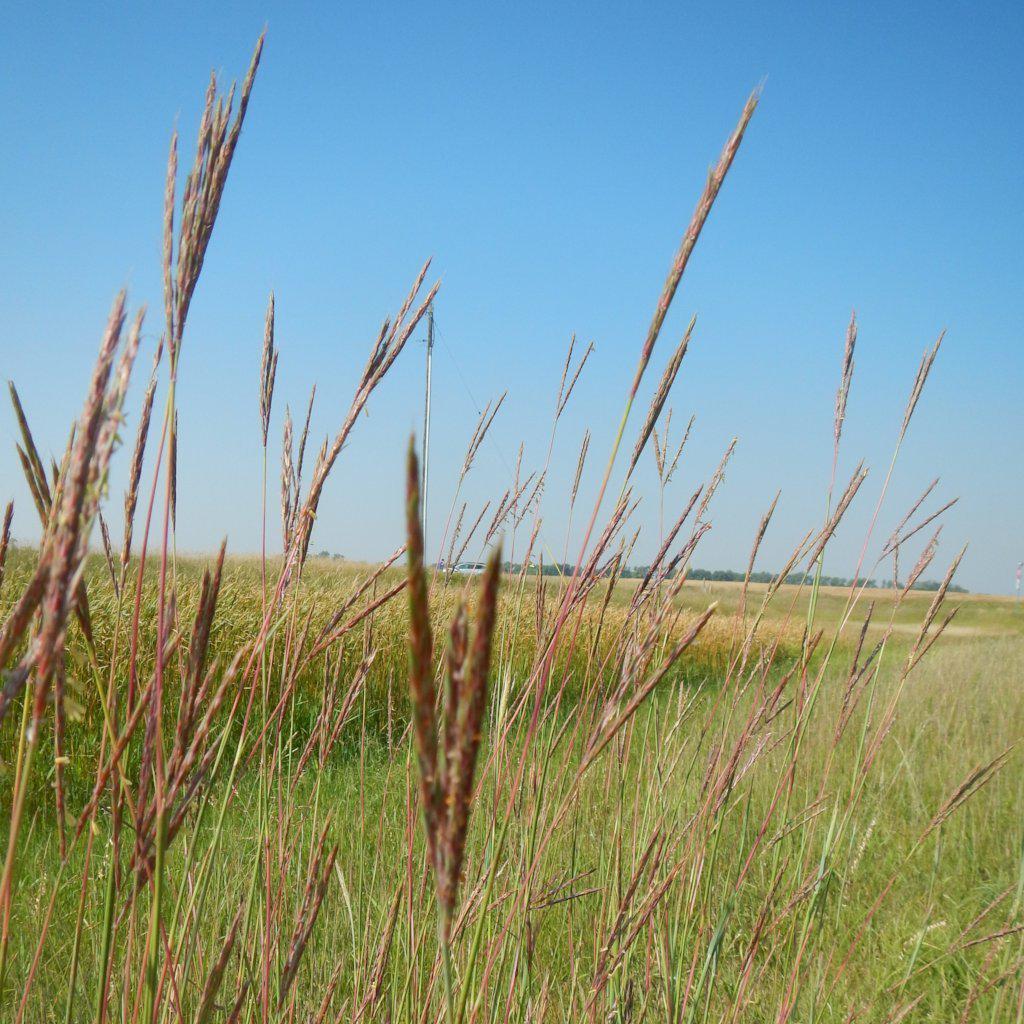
<point x="732" y="576"/>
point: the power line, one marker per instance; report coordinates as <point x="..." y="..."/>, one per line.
<point x="474" y="402"/>
<point x="479" y="411"/>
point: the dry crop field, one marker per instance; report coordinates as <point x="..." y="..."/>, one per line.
<point x="287" y="789"/>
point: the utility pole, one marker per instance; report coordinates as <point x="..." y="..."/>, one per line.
<point x="426" y="428"/>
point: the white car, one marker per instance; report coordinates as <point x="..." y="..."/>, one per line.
<point x="470" y="568"/>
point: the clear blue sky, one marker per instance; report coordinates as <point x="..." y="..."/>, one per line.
<point x="548" y="157"/>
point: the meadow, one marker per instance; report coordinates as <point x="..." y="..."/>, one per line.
<point x="282" y="788"/>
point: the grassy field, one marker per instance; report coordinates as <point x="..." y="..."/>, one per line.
<point x="887" y="920"/>
<point x="280" y="789"/>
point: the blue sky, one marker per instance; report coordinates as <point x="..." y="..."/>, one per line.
<point x="548" y="157"/>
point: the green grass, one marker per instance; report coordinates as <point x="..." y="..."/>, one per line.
<point x="959" y="709"/>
